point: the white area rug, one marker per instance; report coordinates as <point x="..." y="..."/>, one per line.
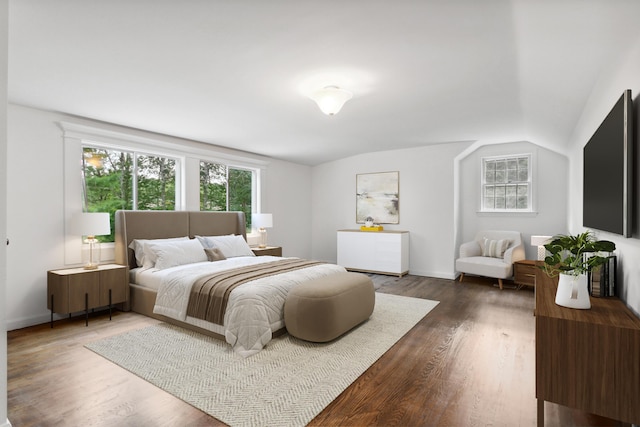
<point x="287" y="384"/>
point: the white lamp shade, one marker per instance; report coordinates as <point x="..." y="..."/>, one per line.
<point x="262" y="220"/>
<point x="91" y="224"/>
<point x="330" y="99"/>
<point x="540" y="240"/>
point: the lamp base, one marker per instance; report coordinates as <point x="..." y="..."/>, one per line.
<point x="263" y="238"/>
<point x="91" y="257"/>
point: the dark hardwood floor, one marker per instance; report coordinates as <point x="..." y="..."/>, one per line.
<point x="471" y="361"/>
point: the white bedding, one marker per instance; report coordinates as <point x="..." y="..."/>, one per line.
<point x="254" y="310"/>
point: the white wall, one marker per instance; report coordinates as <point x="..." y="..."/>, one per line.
<point x="622" y="75"/>
<point x="288" y="198"/>
<point x="35" y="206"/>
<point x="426" y="203"/>
<point x="550" y="171"/>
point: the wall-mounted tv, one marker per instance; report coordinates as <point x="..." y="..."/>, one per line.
<point x="608" y="175"/>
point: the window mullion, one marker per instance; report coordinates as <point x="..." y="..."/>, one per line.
<point x="227" y="184"/>
<point x="134" y="182"/>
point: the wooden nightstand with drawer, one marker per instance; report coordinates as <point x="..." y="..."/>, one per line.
<point x="524" y="272"/>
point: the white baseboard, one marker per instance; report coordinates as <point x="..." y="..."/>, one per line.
<point x="6" y="424"/>
<point x="435" y="274"/>
<point x="25" y="322"/>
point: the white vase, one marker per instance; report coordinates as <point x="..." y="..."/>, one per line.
<point x="573" y="291"/>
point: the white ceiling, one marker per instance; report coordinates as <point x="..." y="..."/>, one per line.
<point x="233" y="73"/>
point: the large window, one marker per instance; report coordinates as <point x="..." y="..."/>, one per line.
<point x="506" y="184"/>
<point x="224" y="188"/>
<point x="116" y="179"/>
<point x="144" y="171"/>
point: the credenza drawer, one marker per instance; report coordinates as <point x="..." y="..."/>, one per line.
<point x="524" y="272"/>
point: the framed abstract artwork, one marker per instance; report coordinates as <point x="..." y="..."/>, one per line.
<point x="377" y="196"/>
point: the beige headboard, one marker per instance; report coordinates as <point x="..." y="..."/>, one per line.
<point x="132" y="225"/>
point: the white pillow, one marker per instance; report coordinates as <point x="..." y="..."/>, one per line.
<point x="207" y="244"/>
<point x="144" y="258"/>
<point x="171" y="254"/>
<point x="231" y="246"/>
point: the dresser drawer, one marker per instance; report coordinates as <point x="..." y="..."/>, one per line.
<point x="524" y="272"/>
<point x="384" y="252"/>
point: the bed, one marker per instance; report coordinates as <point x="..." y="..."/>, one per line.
<point x="160" y="288"/>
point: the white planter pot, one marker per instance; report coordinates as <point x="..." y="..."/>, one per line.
<point x="573" y="291"/>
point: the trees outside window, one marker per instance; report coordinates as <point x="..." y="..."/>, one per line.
<point x="119" y="179"/>
<point x="156" y="183"/>
<point x="224" y="188"/>
<point x="115" y="179"/>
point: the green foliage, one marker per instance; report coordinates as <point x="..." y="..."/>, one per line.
<point x="108" y="184"/>
<point x="223" y="189"/>
<point x="156" y="183"/>
<point x="575" y="255"/>
<point x="213" y="187"/>
<point x="240" y="192"/>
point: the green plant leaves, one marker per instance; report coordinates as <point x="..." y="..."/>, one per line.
<point x="575" y="254"/>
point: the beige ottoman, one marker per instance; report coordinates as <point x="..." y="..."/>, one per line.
<point x="322" y="309"/>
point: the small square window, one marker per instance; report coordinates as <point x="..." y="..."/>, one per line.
<point x="506" y="183"/>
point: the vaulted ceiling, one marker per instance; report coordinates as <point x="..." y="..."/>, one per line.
<point x="236" y="73"/>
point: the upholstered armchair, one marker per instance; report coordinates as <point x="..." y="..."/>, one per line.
<point x="491" y="254"/>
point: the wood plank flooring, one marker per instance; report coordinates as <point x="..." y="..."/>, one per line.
<point x="470" y="362"/>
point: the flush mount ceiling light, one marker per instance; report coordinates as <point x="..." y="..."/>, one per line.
<point x="330" y="99"/>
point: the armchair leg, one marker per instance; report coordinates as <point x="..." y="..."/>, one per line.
<point x="461" y="276"/>
<point x="500" y="283"/>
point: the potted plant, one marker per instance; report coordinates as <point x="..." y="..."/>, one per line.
<point x="571" y="258"/>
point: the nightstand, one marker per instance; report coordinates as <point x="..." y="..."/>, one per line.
<point x="269" y="250"/>
<point x="524" y="272"/>
<point x="72" y="290"/>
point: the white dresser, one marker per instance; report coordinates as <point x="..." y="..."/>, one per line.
<point x="385" y="252"/>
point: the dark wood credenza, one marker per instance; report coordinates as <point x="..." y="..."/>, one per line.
<point x="587" y="359"/>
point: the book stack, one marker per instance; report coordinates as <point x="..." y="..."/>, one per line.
<point x="372" y="228"/>
<point x="602" y="279"/>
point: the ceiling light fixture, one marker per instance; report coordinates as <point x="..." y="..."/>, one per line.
<point x="330" y="99"/>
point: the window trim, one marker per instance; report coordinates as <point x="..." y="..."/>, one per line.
<point x="255" y="179"/>
<point x="531" y="181"/>
<point x="179" y="169"/>
<point x="76" y="135"/>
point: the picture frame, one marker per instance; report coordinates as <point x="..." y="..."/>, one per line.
<point x="377" y="197"/>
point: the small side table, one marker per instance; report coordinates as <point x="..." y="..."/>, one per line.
<point x="269" y="250"/>
<point x="524" y="272"/>
<point x="72" y="290"/>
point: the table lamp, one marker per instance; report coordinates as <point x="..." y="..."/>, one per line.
<point x="92" y="224"/>
<point x="262" y="221"/>
<point x="540" y="241"/>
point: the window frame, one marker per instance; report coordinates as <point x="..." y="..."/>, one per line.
<point x="190" y="153"/>
<point x="530" y="183"/>
<point x="255" y="179"/>
<point x="179" y="162"/>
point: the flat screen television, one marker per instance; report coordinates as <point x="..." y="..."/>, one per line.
<point x="608" y="174"/>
